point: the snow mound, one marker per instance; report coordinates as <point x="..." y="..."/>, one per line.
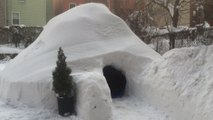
<point x="9" y="50"/>
<point x="182" y="83"/>
<point x="91" y="37"/>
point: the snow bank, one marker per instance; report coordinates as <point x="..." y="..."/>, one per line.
<point x="2" y="65"/>
<point x="9" y="50"/>
<point x="182" y="84"/>
<point x="92" y="37"/>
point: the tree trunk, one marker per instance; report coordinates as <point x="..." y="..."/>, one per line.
<point x="175" y="18"/>
<point x="172" y="37"/>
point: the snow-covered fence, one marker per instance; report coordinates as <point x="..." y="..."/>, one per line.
<point x="17" y="34"/>
<point x="184" y="38"/>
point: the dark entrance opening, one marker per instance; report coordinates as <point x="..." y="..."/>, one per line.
<point x="116" y="81"/>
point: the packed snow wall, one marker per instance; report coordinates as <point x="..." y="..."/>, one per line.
<point x="92" y="38"/>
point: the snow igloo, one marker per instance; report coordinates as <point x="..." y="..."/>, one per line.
<point x="97" y="43"/>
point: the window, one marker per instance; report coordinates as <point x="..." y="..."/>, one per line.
<point x="72" y="5"/>
<point x="15" y="18"/>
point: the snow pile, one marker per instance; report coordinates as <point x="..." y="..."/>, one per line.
<point x="91" y="37"/>
<point x="2" y="65"/>
<point x="182" y="83"/>
<point x="206" y="24"/>
<point x="9" y="50"/>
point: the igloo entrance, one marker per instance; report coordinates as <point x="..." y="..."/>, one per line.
<point x="116" y="81"/>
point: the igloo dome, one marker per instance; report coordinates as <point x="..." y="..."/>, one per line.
<point x="92" y="38"/>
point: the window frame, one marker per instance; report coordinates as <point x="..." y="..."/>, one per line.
<point x="19" y="18"/>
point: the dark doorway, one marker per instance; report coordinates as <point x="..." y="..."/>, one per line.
<point x="116" y="81"/>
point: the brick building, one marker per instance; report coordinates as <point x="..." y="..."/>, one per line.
<point x="39" y="12"/>
<point x="121" y="8"/>
<point x="208" y="10"/>
<point x="201" y="11"/>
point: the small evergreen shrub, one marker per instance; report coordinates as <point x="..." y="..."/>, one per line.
<point x="63" y="84"/>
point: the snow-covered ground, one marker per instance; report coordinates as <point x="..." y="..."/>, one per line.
<point x="8" y="112"/>
<point x="133" y="109"/>
<point x="2" y="65"/>
<point x="123" y="109"/>
<point x="8" y="49"/>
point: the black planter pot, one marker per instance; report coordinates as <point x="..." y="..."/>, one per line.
<point x="66" y="106"/>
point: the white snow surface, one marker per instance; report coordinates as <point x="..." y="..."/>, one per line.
<point x="123" y="109"/>
<point x="2" y="65"/>
<point x="91" y="37"/>
<point x="181" y="85"/>
<point x="8" y="112"/>
<point x="132" y="109"/>
<point x="4" y="49"/>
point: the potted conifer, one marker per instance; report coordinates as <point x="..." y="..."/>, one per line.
<point x="63" y="86"/>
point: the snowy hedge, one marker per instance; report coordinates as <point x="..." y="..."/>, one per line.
<point x="27" y="34"/>
<point x="185" y="37"/>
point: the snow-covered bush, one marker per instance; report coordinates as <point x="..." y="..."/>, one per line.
<point x="21" y="36"/>
<point x="185" y="37"/>
<point x="16" y="35"/>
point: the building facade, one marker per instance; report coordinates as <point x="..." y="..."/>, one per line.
<point x="208" y="9"/>
<point x="122" y="8"/>
<point x="201" y="10"/>
<point x="2" y="13"/>
<point x="39" y="12"/>
<point x="28" y="12"/>
<point x="60" y="6"/>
